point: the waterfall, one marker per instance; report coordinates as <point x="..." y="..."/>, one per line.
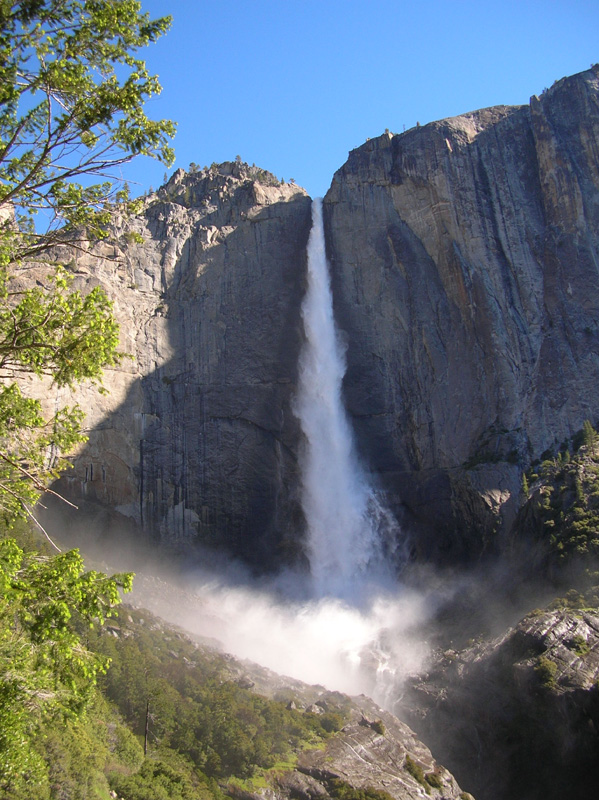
<point x="348" y="528"/>
<point x="356" y="629"/>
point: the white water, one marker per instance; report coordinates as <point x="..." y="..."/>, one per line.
<point x="348" y="528"/>
<point x="361" y="631"/>
<point x="365" y="650"/>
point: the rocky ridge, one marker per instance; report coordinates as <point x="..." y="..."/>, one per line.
<point x="374" y="751"/>
<point x="516" y="715"/>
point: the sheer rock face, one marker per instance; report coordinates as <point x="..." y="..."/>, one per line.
<point x="196" y="439"/>
<point x="516" y="716"/>
<point x="465" y="259"/>
<point x="465" y="271"/>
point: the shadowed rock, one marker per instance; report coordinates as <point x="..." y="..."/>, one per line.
<point x="465" y="261"/>
<point x="518" y="715"/>
<point x="195" y="441"/>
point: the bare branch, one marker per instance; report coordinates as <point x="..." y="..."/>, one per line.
<point x="36" y="482"/>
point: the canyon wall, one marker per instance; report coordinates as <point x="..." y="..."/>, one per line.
<point x="195" y="440"/>
<point x="465" y="258"/>
<point x="465" y="270"/>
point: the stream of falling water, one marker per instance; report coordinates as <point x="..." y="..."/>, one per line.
<point x="356" y="628"/>
<point x="349" y="530"/>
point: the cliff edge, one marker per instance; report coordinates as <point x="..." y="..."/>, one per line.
<point x="465" y="258"/>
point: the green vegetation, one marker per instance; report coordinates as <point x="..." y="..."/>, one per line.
<point x="74" y="755"/>
<point x="46" y="672"/>
<point x="579" y="645"/>
<point x="416" y="772"/>
<point x="70" y="727"/>
<point x="197" y="716"/>
<point x="430" y="780"/>
<point x="264" y="177"/>
<point x="160" y="780"/>
<point x="71" y="107"/>
<point x="434" y="779"/>
<point x="72" y="93"/>
<point x="378" y="726"/>
<point x="585" y="599"/>
<point x="45" y="331"/>
<point x="546" y="670"/>
<point x="340" y="790"/>
<point x="157" y="724"/>
<point x="589" y="435"/>
<point x="565" y="499"/>
<point x="194" y="708"/>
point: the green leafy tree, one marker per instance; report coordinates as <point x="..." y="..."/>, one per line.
<point x="44" y="667"/>
<point x="72" y="93"/>
<point x="157" y="780"/>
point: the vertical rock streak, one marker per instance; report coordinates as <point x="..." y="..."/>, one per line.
<point x="344" y="518"/>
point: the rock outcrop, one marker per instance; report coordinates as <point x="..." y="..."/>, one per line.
<point x="516" y="716"/>
<point x="196" y="440"/>
<point x="465" y="258"/>
<point x="372" y="753"/>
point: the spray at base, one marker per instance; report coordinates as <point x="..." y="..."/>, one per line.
<point x="358" y="631"/>
<point x="326" y="641"/>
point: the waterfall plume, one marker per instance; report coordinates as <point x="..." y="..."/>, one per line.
<point x="348" y="529"/>
<point x="355" y="628"/>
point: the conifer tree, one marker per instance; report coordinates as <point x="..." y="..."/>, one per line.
<point x="589" y="435"/>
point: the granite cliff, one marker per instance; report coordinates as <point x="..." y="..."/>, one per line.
<point x="195" y="438"/>
<point x="464" y="258"/>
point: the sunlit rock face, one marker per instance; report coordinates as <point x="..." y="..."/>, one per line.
<point x="196" y="440"/>
<point x="465" y="262"/>
<point x="374" y="752"/>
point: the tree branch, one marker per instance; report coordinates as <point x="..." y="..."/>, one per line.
<point x="35" y="481"/>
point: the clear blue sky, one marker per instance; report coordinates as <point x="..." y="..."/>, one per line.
<point x="293" y="85"/>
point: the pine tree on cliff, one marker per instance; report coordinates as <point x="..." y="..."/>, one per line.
<point x="589" y="436"/>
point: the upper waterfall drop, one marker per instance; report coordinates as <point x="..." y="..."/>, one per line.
<point x="348" y="529"/>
